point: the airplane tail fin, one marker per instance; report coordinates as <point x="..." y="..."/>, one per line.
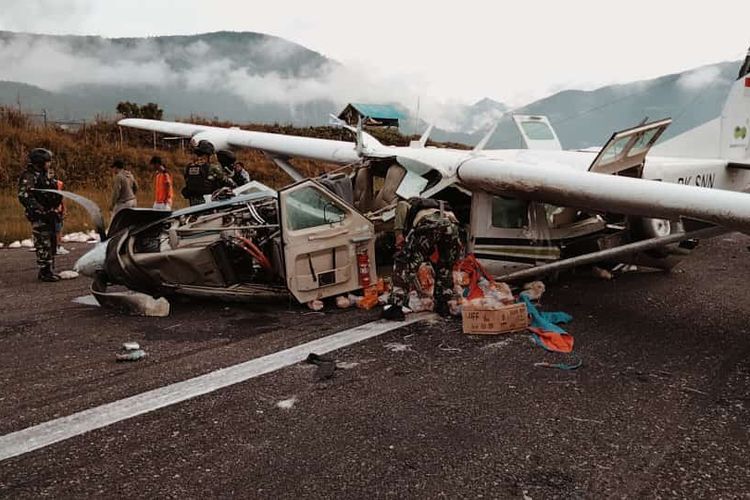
<point x="735" y="117"/>
<point x="726" y="136"/>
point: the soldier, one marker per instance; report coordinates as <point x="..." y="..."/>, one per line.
<point x="202" y="177"/>
<point x="432" y="237"/>
<point x="41" y="210"/>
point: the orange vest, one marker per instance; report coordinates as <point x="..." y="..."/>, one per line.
<point x="163" y="188"/>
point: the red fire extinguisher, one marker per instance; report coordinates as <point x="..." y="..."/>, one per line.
<point x="363" y="266"/>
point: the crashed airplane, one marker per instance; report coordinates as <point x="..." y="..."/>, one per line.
<point x="526" y="212"/>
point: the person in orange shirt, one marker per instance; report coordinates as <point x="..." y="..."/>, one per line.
<point x="162" y="185"/>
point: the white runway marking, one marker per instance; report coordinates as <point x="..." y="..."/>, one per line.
<point x="39" y="436"/>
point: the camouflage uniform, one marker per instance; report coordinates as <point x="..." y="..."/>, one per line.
<point x="40" y="210"/>
<point x="434" y="239"/>
<point x="202" y="178"/>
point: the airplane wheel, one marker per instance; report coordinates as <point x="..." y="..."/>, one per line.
<point x="661" y="258"/>
<point x="656" y="228"/>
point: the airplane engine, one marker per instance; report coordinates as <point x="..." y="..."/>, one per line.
<point x="217" y="140"/>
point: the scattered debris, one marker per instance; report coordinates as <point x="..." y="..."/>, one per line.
<point x="86" y="300"/>
<point x="287" y="404"/>
<point x="136" y="303"/>
<point x="326" y="366"/>
<point x="370" y="299"/>
<point x="546" y="333"/>
<point x="315" y="305"/>
<point x="447" y="348"/>
<point x="15" y="244"/>
<point x="343" y="302"/>
<point x="486" y="316"/>
<point x="420" y="304"/>
<point x="625" y="268"/>
<point x="600" y="273"/>
<point x="27" y="243"/>
<point x="534" y="290"/>
<point x="68" y="275"/>
<point x="398" y="347"/>
<point x="393" y="313"/>
<point x="133" y="355"/>
<point x="496" y="345"/>
<point x="81" y="237"/>
<point x="346" y="365"/>
<point x="131" y="346"/>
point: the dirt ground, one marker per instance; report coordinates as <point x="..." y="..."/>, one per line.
<point x="660" y="407"/>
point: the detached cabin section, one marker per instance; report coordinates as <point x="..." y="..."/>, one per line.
<point x="372" y="115"/>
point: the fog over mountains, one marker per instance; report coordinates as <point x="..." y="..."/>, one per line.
<point x="252" y="77"/>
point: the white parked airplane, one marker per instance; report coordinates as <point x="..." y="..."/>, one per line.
<point x="543" y="207"/>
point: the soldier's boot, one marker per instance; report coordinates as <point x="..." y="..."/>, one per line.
<point x="47" y="275"/>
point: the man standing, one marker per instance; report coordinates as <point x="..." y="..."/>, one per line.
<point x="162" y="185"/>
<point x="202" y="177"/>
<point x="41" y="210"/>
<point x="123" y="188"/>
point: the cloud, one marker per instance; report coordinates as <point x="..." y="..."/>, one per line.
<point x="700" y="78"/>
<point x="41" y="16"/>
<point x="268" y="71"/>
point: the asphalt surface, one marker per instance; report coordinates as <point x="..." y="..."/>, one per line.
<point x="660" y="407"/>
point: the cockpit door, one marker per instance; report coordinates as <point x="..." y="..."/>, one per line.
<point x="628" y="148"/>
<point x="322" y="235"/>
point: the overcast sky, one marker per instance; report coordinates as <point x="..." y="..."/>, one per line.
<point x="513" y="52"/>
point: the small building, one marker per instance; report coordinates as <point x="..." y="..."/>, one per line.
<point x="379" y="115"/>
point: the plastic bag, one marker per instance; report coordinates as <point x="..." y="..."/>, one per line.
<point x="419" y="304"/>
<point x="315" y="305"/>
<point x="343" y="302"/>
<point x="534" y="290"/>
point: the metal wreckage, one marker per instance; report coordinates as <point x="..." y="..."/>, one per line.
<point x="525" y="212"/>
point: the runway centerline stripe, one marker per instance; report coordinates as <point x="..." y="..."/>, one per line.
<point x="53" y="431"/>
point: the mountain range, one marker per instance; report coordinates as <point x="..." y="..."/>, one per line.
<point x="252" y="77"/>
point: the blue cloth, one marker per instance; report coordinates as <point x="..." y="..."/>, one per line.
<point x="545" y="320"/>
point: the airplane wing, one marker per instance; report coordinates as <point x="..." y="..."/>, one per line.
<point x="606" y="193"/>
<point x="285" y="146"/>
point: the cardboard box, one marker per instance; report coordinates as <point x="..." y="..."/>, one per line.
<point x="512" y="318"/>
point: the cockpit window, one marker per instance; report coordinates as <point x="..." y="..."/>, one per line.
<point x="614" y="150"/>
<point x="643" y="142"/>
<point x="537" y="131"/>
<point x="509" y="213"/>
<point x="309" y="207"/>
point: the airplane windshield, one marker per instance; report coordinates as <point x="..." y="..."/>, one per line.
<point x="537" y="131"/>
<point x="309" y="207"/>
